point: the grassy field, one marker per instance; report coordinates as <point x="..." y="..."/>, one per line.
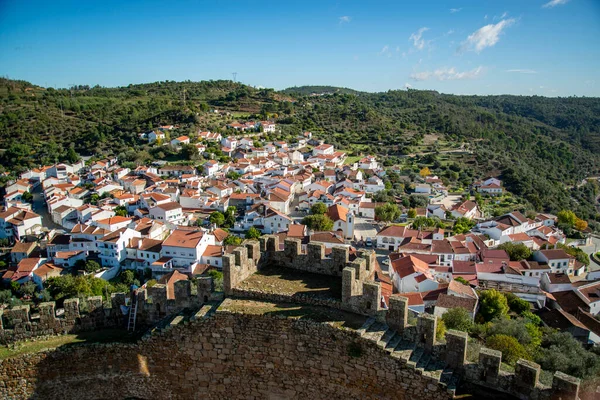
<point x="332" y="316"/>
<point x="102" y="336"/>
<point x="289" y="282"/>
<point x="351" y="160"/>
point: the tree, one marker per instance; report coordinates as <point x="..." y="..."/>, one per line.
<point x="127" y="277"/>
<point x="566" y="217"/>
<point x="580" y="225"/>
<point x="121" y="211"/>
<point x="387" y="212"/>
<point x="217" y="277"/>
<point x="253" y="233"/>
<point x="5" y="296"/>
<point x="318" y="222"/>
<point x="27" y="197"/>
<point x="510" y="347"/>
<point x="28" y="288"/>
<point x="92" y="266"/>
<point x="233" y="175"/>
<point x="516" y="251"/>
<point x="462" y="225"/>
<point x="412" y="213"/>
<point x="425" y="172"/>
<point x="318" y="208"/>
<point x="492" y="304"/>
<point x="232" y="240"/>
<point x="217" y="218"/>
<point x="560" y="351"/>
<point x="516" y="304"/>
<point x="230" y="216"/>
<point x="72" y="155"/>
<point x="457" y="318"/>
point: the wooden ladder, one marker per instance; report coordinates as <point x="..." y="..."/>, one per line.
<point x="132" y="315"/>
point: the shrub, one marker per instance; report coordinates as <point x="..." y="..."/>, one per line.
<point x="318" y="208"/>
<point x="521" y="329"/>
<point x="440" y="330"/>
<point x="516" y="251"/>
<point x="516" y="304"/>
<point x="492" y="304"/>
<point x="510" y="347"/>
<point x="560" y="351"/>
<point x="217" y="279"/>
<point x="457" y="318"/>
<point x="253" y="233"/>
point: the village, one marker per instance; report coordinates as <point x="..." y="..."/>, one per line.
<point x="175" y="221"/>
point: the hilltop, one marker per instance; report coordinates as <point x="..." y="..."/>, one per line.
<point x="542" y="147"/>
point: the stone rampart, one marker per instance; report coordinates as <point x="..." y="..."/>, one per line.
<point x="360" y="293"/>
<point x="226" y="356"/>
<point x="19" y="323"/>
<point x="234" y="355"/>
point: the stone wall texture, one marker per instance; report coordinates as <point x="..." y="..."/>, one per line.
<point x="225" y="356"/>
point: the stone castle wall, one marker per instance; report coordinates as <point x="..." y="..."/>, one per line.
<point x="19" y="323"/>
<point x="360" y="293"/>
<point x="226" y="356"/>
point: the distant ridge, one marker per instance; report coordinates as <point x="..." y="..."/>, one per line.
<point x="318" y="90"/>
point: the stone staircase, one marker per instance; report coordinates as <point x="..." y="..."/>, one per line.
<point x="413" y="356"/>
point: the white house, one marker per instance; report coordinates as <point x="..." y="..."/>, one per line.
<point x="186" y="247"/>
<point x="410" y="274"/>
<point x="112" y="247"/>
<point x="180" y="140"/>
<point x="167" y="212"/>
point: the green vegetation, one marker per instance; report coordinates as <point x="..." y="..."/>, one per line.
<point x="99" y="336"/>
<point x="217" y="277"/>
<point x="232" y="240"/>
<point x="542" y="148"/>
<point x="388" y="212"/>
<point x="253" y="233"/>
<point x="318" y="222"/>
<point x="462" y="225"/>
<point x="423" y="222"/>
<point x="318" y="208"/>
<point x="510" y="347"/>
<point x="457" y="318"/>
<point x="516" y="251"/>
<point x="492" y="304"/>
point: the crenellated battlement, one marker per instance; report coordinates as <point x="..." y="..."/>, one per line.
<point x="523" y="383"/>
<point x="77" y="315"/>
<point x="360" y="293"/>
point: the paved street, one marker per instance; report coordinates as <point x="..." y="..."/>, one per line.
<point x="39" y="207"/>
<point x="594" y="247"/>
<point x="364" y="228"/>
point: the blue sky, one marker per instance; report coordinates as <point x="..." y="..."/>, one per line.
<point x="544" y="47"/>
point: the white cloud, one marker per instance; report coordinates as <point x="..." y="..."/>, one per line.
<point x="486" y="36"/>
<point x="455" y="10"/>
<point x="554" y="3"/>
<point x="345" y="19"/>
<point x="385" y="50"/>
<point x="522" y="71"/>
<point x="417" y="38"/>
<point x="447" y="74"/>
<point x="407" y="86"/>
<point x="486" y="17"/>
<point x="504" y="15"/>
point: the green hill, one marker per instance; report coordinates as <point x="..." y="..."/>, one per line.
<point x="541" y="147"/>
